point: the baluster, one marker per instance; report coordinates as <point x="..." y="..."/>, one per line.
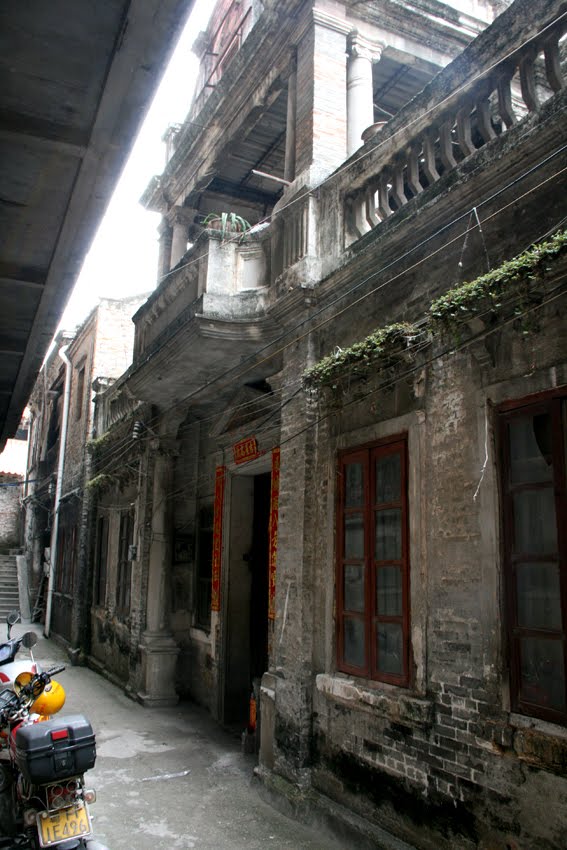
<point x="384" y="207"/>
<point x="483" y="119"/>
<point x="371" y="216"/>
<point x="361" y="222"/>
<point x="350" y="220"/>
<point x="464" y="129"/>
<point x="553" y="63"/>
<point x="505" y="100"/>
<point x="429" y="167"/>
<point x="398" y="192"/>
<point x="413" y="169"/>
<point x="527" y="80"/>
<point x="446" y="145"/>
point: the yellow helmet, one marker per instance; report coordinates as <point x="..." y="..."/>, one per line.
<point x="51" y="700"/>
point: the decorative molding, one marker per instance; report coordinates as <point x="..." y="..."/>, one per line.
<point x="358" y="46"/>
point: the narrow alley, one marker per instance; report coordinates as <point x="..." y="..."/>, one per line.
<point x="170" y="778"/>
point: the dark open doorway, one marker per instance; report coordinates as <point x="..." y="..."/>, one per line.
<point x="246" y="632"/>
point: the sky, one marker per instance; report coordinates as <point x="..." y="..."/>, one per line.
<point x="122" y="260"/>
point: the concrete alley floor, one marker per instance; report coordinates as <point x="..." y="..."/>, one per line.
<point x="170" y="778"/>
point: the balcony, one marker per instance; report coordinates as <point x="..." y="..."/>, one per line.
<point x="207" y="315"/>
<point x="508" y="82"/>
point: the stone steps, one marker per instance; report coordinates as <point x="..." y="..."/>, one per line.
<point x="9" y="591"/>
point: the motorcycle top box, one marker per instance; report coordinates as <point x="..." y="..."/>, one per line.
<point x="55" y="749"/>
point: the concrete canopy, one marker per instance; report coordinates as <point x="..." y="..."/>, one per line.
<point x="75" y="82"/>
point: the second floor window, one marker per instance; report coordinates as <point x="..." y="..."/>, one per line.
<point x="373" y="563"/>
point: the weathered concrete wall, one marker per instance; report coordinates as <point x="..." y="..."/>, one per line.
<point x="11" y="491"/>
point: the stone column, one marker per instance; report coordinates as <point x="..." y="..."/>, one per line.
<point x="164" y="254"/>
<point x="180" y="223"/>
<point x="360" y="94"/>
<point x="289" y="167"/>
<point x="158" y="649"/>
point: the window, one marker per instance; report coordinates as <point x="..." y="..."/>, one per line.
<point x="80" y="393"/>
<point x="373" y="563"/>
<point x="124" y="564"/>
<point x="204" y="566"/>
<point x="101" y="556"/>
<point x="533" y="445"/>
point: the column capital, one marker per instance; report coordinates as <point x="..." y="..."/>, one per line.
<point x="181" y="216"/>
<point x="360" y="47"/>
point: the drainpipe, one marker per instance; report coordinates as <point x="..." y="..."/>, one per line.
<point x="60" y="468"/>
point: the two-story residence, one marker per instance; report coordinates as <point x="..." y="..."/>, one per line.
<point x="334" y="474"/>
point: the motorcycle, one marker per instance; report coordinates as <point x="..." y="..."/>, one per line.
<point x="44" y="802"/>
<point x="9" y="666"/>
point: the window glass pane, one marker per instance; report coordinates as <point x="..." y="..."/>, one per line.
<point x="388" y="535"/>
<point x="388" y="482"/>
<point x="534" y="521"/>
<point x="354" y="587"/>
<point x="390" y="648"/>
<point x="542" y="678"/>
<point x="354" y="485"/>
<point x="354" y="536"/>
<point x="354" y="642"/>
<point x="389" y="591"/>
<point x="530" y="449"/>
<point x="538" y="590"/>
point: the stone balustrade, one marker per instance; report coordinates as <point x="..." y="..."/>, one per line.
<point x="432" y="143"/>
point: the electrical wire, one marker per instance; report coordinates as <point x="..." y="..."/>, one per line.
<point x="402" y="130"/>
<point x="229" y="378"/>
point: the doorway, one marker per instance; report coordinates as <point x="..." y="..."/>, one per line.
<point x="246" y="632"/>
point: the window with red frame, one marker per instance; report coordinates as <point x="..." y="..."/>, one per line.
<point x="533" y="439"/>
<point x="373" y="562"/>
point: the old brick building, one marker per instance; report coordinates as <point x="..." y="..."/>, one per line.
<point x="334" y="473"/>
<point x="57" y="531"/>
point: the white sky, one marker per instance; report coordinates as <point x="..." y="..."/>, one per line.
<point x="123" y="257"/>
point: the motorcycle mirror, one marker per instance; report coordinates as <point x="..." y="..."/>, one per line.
<point x="12" y="619"/>
<point x="29" y="640"/>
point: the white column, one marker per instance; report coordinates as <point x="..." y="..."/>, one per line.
<point x="180" y="224"/>
<point x="360" y="105"/>
<point x="164" y="252"/>
<point x="289" y="168"/>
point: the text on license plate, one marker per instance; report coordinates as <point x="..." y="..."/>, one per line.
<point x="68" y="823"/>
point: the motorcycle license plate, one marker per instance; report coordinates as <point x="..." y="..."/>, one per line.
<point x="72" y="822"/>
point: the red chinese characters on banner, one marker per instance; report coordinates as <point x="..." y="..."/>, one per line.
<point x="217" y="537"/>
<point x="273" y="533"/>
<point x="245" y="450"/>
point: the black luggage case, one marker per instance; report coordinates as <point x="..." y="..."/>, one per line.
<point x="55" y="749"/>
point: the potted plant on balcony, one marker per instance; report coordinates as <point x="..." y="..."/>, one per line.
<point x="227" y="223"/>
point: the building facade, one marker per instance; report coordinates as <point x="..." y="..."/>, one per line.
<point x="57" y="530"/>
<point x="334" y="474"/>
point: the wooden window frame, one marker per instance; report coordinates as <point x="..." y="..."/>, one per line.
<point x="101" y="561"/>
<point x="124" y="570"/>
<point x="367" y="455"/>
<point x="551" y="403"/>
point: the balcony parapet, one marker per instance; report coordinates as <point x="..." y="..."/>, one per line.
<point x="506" y="74"/>
<point x="222" y="279"/>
